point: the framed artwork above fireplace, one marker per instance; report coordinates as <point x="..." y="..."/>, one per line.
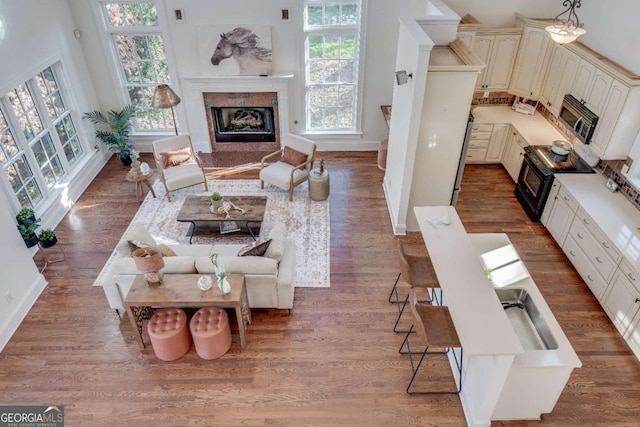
<point x="229" y="50"/>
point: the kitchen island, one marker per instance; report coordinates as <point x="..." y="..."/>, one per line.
<point x="505" y="377"/>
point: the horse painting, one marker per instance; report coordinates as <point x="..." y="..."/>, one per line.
<point x="243" y="45"/>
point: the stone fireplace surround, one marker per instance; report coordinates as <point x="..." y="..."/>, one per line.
<point x="249" y="91"/>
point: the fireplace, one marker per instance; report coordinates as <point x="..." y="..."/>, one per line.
<point x="243" y="124"/>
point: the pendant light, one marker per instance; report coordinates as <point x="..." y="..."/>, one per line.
<point x="566" y="29"/>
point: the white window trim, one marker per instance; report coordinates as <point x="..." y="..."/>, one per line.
<point x="357" y="132"/>
<point x="113" y="60"/>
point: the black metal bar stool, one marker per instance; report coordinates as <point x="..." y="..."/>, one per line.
<point x="435" y="328"/>
<point x="418" y="272"/>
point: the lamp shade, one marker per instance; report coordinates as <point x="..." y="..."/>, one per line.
<point x="164" y="97"/>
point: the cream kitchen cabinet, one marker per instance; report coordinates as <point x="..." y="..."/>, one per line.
<point x="621" y="302"/>
<point x="583" y="266"/>
<point x="467" y="37"/>
<point x="512" y="156"/>
<point x="498" y="52"/>
<point x="591" y="86"/>
<point x="561" y="216"/>
<point x="551" y="200"/>
<point x="479" y="142"/>
<point x="561" y="73"/>
<point x="528" y="72"/>
<point x="497" y="142"/>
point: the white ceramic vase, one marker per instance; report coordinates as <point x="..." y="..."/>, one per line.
<point x="226" y="286"/>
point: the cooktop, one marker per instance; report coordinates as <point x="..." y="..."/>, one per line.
<point x="571" y="163"/>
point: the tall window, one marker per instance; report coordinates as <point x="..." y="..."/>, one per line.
<point x="332" y="39"/>
<point x="38" y="139"/>
<point x="137" y="39"/>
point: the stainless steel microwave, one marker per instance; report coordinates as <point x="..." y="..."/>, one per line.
<point x="578" y="117"/>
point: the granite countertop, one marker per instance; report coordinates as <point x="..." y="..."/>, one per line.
<point x="611" y="212"/>
<point x="535" y="129"/>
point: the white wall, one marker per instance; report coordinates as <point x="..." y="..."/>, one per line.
<point x="287" y="43"/>
<point x="612" y="27"/>
<point x="34" y="34"/>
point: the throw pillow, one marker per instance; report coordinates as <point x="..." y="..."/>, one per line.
<point x="278" y="234"/>
<point x="135" y="232"/>
<point x="257" y="248"/>
<point x="165" y="250"/>
<point x="293" y="157"/>
<point x="176" y="157"/>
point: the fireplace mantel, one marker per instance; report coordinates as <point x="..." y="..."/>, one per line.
<point x="193" y="86"/>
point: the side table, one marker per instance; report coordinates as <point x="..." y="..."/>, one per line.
<point x="140" y="178"/>
<point x="319" y="183"/>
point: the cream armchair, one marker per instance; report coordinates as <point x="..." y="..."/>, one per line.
<point x="293" y="165"/>
<point x="178" y="164"/>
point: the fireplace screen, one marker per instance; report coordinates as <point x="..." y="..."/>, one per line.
<point x="243" y="124"/>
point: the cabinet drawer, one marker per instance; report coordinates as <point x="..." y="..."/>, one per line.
<point x="484" y="143"/>
<point x="589" y="245"/>
<point x="482" y="127"/>
<point x="603" y="241"/>
<point x="583" y="266"/>
<point x="631" y="274"/>
<point x="568" y="198"/>
<point x="480" y="136"/>
<point x="476" y="155"/>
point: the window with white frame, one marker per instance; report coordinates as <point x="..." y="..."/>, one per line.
<point x="138" y="45"/>
<point x="38" y="139"/>
<point x="332" y="50"/>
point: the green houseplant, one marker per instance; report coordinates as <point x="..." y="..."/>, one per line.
<point x="47" y="238"/>
<point x="113" y="130"/>
<point x="26" y="215"/>
<point x="28" y="232"/>
<point x="216" y="201"/>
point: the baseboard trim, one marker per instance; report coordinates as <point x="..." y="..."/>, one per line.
<point x="21" y="310"/>
<point x="398" y="229"/>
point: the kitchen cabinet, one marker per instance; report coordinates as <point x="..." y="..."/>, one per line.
<point x="561" y="216"/>
<point x="591" y="86"/>
<point x="497" y="142"/>
<point x="561" y="73"/>
<point x="479" y="142"/>
<point x="551" y="200"/>
<point x="622" y="301"/>
<point x="499" y="53"/>
<point x="528" y="72"/>
<point x="467" y="37"/>
<point x="513" y="153"/>
<point x="583" y="266"/>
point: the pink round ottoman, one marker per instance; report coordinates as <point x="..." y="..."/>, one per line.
<point x="169" y="334"/>
<point x="211" y="332"/>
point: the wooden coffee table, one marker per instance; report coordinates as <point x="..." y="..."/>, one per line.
<point x="181" y="290"/>
<point x="195" y="210"/>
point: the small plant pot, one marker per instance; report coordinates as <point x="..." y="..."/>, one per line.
<point x="215" y="205"/>
<point x="31" y="241"/>
<point x="48" y="243"/>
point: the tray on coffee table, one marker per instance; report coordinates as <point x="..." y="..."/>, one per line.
<point x="197" y="210"/>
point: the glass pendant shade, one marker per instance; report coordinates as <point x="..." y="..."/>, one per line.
<point x="564" y="35"/>
<point x="566" y="29"/>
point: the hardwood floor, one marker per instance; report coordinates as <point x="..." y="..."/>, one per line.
<point x="333" y="361"/>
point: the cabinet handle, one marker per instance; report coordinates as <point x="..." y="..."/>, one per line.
<point x="589" y="277"/>
<point x="637" y="300"/>
<point x="585" y="221"/>
<point x="571" y="253"/>
<point x="579" y="236"/>
<point x="631" y="277"/>
<point x="605" y="245"/>
<point x="566" y="199"/>
<point x="599" y="260"/>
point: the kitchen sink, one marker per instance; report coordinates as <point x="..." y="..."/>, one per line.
<point x="526" y="320"/>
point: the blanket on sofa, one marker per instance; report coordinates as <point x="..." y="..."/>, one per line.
<point x="306" y="220"/>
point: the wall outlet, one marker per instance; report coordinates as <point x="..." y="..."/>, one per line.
<point x="625" y="169"/>
<point x="485" y="94"/>
<point x="285" y="14"/>
<point x="9" y="297"/>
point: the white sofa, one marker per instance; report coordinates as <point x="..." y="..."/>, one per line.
<point x="269" y="281"/>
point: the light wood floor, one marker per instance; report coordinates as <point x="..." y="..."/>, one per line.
<point x="332" y="362"/>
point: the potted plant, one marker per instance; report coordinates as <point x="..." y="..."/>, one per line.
<point x="216" y="201"/>
<point x="47" y="238"/>
<point x="474" y="103"/>
<point x="113" y="131"/>
<point x="26" y="216"/>
<point x="28" y="232"/>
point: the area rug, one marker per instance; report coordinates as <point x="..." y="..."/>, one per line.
<point x="305" y="219"/>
